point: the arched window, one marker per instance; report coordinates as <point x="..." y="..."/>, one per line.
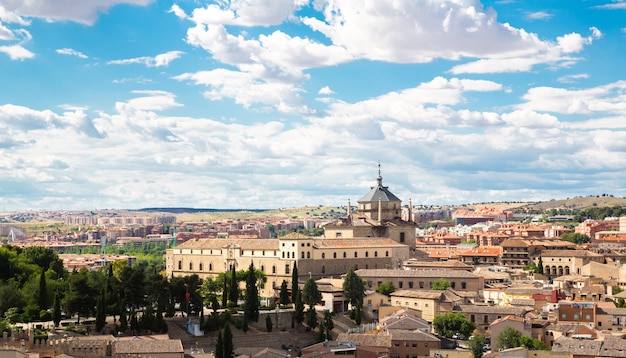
<point x="273" y="269"/>
<point x="375" y="253"/>
<point x="201" y="266"/>
<point x="367" y="254"/>
<point x="263" y="268"/>
<point x="344" y="254"/>
<point x="302" y="254"/>
<point x="180" y="265"/>
<point x="387" y="253"/>
<point x="190" y="266"/>
<point x="308" y="254"/>
<point x="334" y="255"/>
<point x="356" y="254"/>
<point x="283" y="254"/>
<point x="323" y="255"/>
<point x="211" y="267"/>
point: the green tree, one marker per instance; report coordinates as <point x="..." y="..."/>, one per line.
<point x="311" y="318"/>
<point x="299" y="309"/>
<point x="310" y="293"/>
<point x="326" y="326"/>
<point x="252" y="303"/>
<point x="101" y="311"/>
<point x="229" y="346"/>
<point x="45" y="258"/>
<point x="56" y="310"/>
<point x="451" y="323"/>
<point x="233" y="294"/>
<point x="43" y="291"/>
<point x="386" y="288"/>
<point x="440" y="284"/>
<point x="219" y="345"/>
<point x="294" y="282"/>
<point x="539" y="269"/>
<point x="81" y="298"/>
<point x="284" y="294"/>
<point x="354" y="288"/>
<point x="476" y="344"/>
<point x="576" y="238"/>
<point x="509" y="338"/>
<point x="268" y="323"/>
<point x="621" y="303"/>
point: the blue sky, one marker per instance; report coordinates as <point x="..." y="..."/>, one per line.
<point x="270" y="104"/>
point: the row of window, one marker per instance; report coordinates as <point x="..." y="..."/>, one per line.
<point x="356" y="254"/>
<point x="422" y="284"/>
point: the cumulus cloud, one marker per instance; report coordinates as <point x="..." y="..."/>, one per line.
<point x="326" y="91"/>
<point x="601" y="99"/>
<point x="17" y="52"/>
<point x="573" y="78"/>
<point x="5" y="33"/>
<point x="86" y="13"/>
<point x="160" y="60"/>
<point x="71" y="52"/>
<point x="246" y="12"/>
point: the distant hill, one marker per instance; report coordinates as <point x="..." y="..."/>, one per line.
<point x="577" y="203"/>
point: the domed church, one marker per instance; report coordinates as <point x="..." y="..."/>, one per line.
<point x="379" y="214"/>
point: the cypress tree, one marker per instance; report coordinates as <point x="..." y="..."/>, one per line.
<point x="233" y="295"/>
<point x="219" y="346"/>
<point x="229" y="347"/>
<point x="284" y="294"/>
<point x="294" y="283"/>
<point x="56" y="310"/>
<point x="101" y="311"/>
<point x="251" y="309"/>
<point x="225" y="292"/>
<point x="43" y="291"/>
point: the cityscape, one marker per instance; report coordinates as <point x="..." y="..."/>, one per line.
<point x="548" y="278"/>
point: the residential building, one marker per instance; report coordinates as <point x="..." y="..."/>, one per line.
<point x="421" y="279"/>
<point x="564" y="262"/>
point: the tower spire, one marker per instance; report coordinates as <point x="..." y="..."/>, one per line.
<point x="379" y="179"/>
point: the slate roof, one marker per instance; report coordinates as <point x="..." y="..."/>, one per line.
<point x="379" y="192"/>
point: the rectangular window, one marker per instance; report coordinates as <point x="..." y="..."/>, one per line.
<point x="421" y="284"/>
<point x="400" y="284"/>
<point x="410" y="284"/>
<point x="402" y="238"/>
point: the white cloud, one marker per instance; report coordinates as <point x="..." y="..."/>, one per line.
<point x="538" y="15"/>
<point x="409" y="32"/>
<point x="176" y="10"/>
<point x="86" y="13"/>
<point x="326" y="91"/>
<point x="248" y="91"/>
<point x="530" y="119"/>
<point x="17" y="52"/>
<point x="11" y="17"/>
<point x="602" y="99"/>
<point x="160" y="60"/>
<point x="246" y="12"/>
<point x="71" y="52"/>
<point x="153" y="101"/>
<point x="573" y="78"/>
<point x="616" y="5"/>
<point x="6" y="33"/>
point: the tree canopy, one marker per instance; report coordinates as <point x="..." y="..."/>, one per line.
<point x="354" y="287"/>
<point x="452" y="323"/>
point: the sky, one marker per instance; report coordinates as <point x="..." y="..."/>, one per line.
<point x="129" y="104"/>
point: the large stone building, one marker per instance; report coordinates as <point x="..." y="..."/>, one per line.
<point x="382" y="245"/>
<point x="379" y="214"/>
